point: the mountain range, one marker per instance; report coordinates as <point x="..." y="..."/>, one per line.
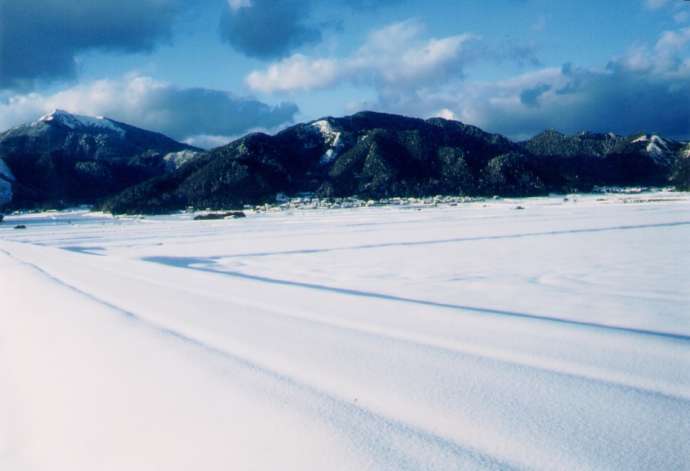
<point x="65" y="159"/>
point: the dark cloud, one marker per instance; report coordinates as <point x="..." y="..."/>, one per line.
<point x="620" y="100"/>
<point x="572" y="99"/>
<point x="530" y="96"/>
<point x="40" y="39"/>
<point x="184" y="113"/>
<point x="626" y="101"/>
<point x="269" y="29"/>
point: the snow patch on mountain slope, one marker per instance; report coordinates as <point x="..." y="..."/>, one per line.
<point x="656" y="147"/>
<point x="686" y="152"/>
<point x="654" y="142"/>
<point x="175" y="160"/>
<point x="75" y="121"/>
<point x="332" y="138"/>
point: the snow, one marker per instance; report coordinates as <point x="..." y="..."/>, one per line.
<point x="653" y="139"/>
<point x="657" y="147"/>
<point x="76" y="121"/>
<point x="331" y="137"/>
<point x="659" y="141"/>
<point x="654" y="149"/>
<point x="655" y="143"/>
<point x="465" y="337"/>
<point x="175" y="160"/>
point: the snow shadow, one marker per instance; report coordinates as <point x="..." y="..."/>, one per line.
<point x="208" y="265"/>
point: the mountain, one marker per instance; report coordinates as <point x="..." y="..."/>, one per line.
<point x="680" y="175"/>
<point x="376" y="155"/>
<point x="6" y="182"/>
<point x="367" y="154"/>
<point x="65" y="158"/>
<point x="587" y="159"/>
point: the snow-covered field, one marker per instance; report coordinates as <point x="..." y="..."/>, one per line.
<point x="477" y="336"/>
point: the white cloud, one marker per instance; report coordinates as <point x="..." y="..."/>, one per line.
<point x="666" y="56"/>
<point x="206" y="141"/>
<point x="655" y="4"/>
<point x="672" y="42"/>
<point x="237" y="4"/>
<point x="297" y="72"/>
<point x="677" y="8"/>
<point x="681" y="17"/>
<point x="395" y="55"/>
<point x="445" y="113"/>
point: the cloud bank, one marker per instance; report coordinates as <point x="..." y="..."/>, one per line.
<point x="647" y="88"/>
<point x="197" y="115"/>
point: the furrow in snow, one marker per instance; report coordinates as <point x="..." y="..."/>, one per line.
<point x="366" y="342"/>
<point x="348" y="417"/>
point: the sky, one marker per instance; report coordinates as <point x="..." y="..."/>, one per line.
<point x="209" y="71"/>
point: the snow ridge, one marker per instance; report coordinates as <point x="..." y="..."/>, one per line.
<point x="76" y="121"/>
<point x="657" y="147"/>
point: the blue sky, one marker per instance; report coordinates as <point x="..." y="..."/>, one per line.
<point x="211" y="70"/>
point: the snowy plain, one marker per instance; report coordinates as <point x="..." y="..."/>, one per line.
<point x="476" y="336"/>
